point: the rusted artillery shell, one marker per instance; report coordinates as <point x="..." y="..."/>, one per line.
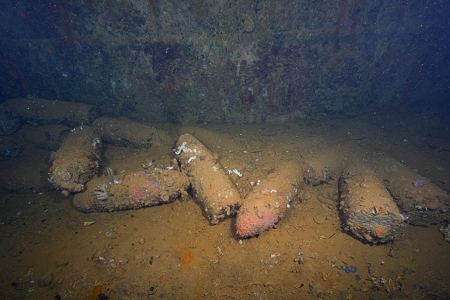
<point x="267" y="202"/>
<point x="131" y="191"/>
<point x="416" y="196"/>
<point x="76" y="161"/>
<point x="128" y="133"/>
<point x="39" y="111"/>
<point x="368" y="209"/>
<point x="210" y="185"/>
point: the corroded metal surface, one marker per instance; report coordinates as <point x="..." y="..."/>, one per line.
<point x="76" y="161"/>
<point x="132" y="191"/>
<point x="210" y="185"/>
<point x="368" y="210"/>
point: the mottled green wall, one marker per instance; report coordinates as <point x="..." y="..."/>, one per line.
<point x="222" y="61"/>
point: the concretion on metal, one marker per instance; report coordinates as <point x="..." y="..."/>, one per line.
<point x="368" y="210"/>
<point x="210" y="185"/>
<point x="267" y="202"/>
<point x="132" y="191"/>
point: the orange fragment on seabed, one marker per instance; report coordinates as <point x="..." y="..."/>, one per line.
<point x="95" y="293"/>
<point x="265" y="191"/>
<point x="187" y="258"/>
<point x="324" y="282"/>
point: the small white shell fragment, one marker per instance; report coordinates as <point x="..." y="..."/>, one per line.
<point x="446" y="232"/>
<point x="237" y="173"/>
<point x="273" y="191"/>
<point x="182" y="148"/>
<point x="191" y="159"/>
<point x="88" y="223"/>
<point x="240" y="242"/>
<point x="287" y="205"/>
<point x="169" y="168"/>
<point x="252" y="183"/>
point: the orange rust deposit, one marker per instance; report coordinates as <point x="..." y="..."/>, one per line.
<point x="95" y="292"/>
<point x="161" y="279"/>
<point x="187" y="258"/>
<point x="324" y="281"/>
<point x="379" y="231"/>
